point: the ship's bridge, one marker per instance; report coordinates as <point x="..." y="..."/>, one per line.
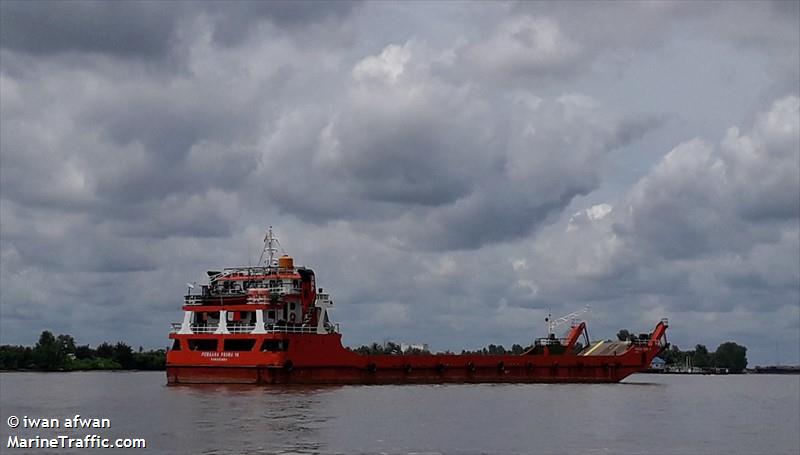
<point x="265" y="310"/>
<point x="271" y="296"/>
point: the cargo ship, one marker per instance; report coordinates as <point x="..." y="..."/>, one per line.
<point x="270" y="324"/>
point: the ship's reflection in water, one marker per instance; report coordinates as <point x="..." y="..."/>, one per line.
<point x="285" y="419"/>
<point x="645" y="414"/>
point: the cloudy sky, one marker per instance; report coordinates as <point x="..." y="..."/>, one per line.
<point x="452" y="171"/>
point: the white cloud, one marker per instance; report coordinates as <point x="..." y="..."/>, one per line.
<point x="524" y="45"/>
<point x="386" y="67"/>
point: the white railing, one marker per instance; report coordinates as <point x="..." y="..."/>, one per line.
<point x="290" y="329"/>
<point x="193" y="300"/>
<point x="283" y="289"/>
<point x="241" y="328"/>
<point x="197" y="329"/>
<point x="204" y="328"/>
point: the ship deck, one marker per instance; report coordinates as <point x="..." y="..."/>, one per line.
<point x="606" y="348"/>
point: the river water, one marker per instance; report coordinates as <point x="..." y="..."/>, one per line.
<point x="646" y="414"/>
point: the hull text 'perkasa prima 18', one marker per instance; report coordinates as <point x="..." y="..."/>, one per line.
<point x="269" y="324"/>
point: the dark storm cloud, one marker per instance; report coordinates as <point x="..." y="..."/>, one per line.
<point x="233" y="21"/>
<point x="58" y="243"/>
<point x="128" y="29"/>
<point x="454" y="164"/>
<point x="143" y="29"/>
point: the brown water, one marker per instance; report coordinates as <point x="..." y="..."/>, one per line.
<point x="646" y="414"/>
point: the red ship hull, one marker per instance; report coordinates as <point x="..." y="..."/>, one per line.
<point x="321" y="359"/>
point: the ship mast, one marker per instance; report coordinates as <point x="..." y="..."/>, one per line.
<point x="270" y="241"/>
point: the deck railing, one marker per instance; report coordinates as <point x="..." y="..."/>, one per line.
<point x="237" y="329"/>
<point x="241" y="328"/>
<point x="291" y="329"/>
<point x="283" y="289"/>
<point x="204" y="328"/>
<point x="193" y="299"/>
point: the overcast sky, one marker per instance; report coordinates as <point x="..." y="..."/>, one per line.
<point x="452" y="171"/>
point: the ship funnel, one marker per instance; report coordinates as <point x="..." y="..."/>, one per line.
<point x="286" y="262"/>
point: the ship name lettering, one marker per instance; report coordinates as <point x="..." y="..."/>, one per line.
<point x="219" y="354"/>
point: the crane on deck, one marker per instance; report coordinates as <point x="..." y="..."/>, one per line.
<point x="572" y="317"/>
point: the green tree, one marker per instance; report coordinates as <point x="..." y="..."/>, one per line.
<point x="123" y="354"/>
<point x="105" y="351"/>
<point x="15" y="357"/>
<point x="48" y="353"/>
<point x="674" y="356"/>
<point x="84" y="352"/>
<point x="731" y="356"/>
<point x="701" y="358"/>
<point x="67" y="343"/>
<point x="150" y="360"/>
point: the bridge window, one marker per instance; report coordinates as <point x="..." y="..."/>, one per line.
<point x="176" y="345"/>
<point x="203" y="345"/>
<point x="275" y="345"/>
<point x="239" y="344"/>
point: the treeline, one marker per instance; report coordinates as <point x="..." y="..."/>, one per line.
<point x="61" y="353"/>
<point x="499" y="349"/>
<point x="391" y="348"/>
<point x="388" y="348"/>
<point x="727" y="355"/>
